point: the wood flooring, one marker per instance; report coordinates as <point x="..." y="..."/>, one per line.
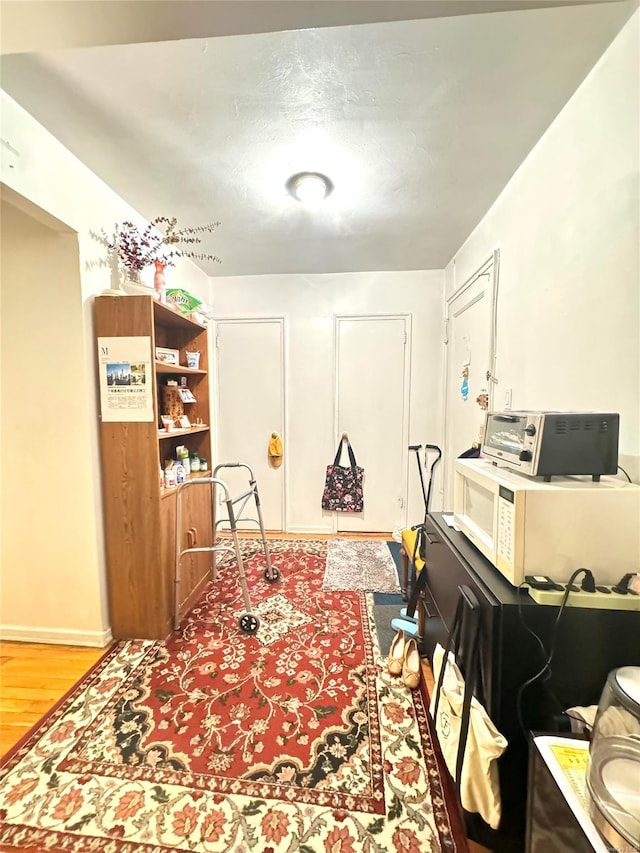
<point x="33" y="677"/>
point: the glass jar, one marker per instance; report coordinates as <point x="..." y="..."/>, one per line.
<point x="614" y="760"/>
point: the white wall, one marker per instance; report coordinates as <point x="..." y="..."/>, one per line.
<point x="48" y="537"/>
<point x="44" y="178"/>
<point x="568" y="227"/>
<point x="568" y="310"/>
<point x="309" y="304"/>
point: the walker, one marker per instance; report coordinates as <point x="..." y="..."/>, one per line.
<point x="248" y="621"/>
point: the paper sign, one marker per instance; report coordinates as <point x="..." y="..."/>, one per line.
<point x="126" y="379"/>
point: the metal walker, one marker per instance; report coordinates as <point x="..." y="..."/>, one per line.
<point x="248" y="621"/>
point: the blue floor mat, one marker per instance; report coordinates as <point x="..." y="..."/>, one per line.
<point x="387" y="598"/>
<point x="387" y="605"/>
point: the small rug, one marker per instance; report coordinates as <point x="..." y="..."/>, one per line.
<point x="364" y="565"/>
<point x="295" y="740"/>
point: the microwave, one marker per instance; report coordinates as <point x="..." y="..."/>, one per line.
<point x="549" y="444"/>
<point x="525" y="526"/>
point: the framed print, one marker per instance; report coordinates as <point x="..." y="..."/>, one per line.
<point x="168" y="356"/>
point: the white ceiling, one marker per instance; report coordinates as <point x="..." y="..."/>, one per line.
<point x="418" y="123"/>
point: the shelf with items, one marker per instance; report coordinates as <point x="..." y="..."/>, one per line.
<point x="176" y="402"/>
<point x="166" y="316"/>
<point x="182" y="432"/>
<point x="174" y="343"/>
<point x="169" y="491"/>
<point x="197" y="442"/>
<point x="139" y="520"/>
<point x="163" y="368"/>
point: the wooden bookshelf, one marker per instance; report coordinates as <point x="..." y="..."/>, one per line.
<point x="139" y="516"/>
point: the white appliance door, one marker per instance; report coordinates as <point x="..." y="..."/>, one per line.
<point x="372" y="374"/>
<point x="249" y="407"/>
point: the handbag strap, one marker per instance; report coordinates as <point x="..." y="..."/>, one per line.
<point x="352" y="458"/>
<point x="470" y="686"/>
<point x="451" y="645"/>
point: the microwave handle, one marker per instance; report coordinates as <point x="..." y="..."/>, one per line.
<point x="506" y="418"/>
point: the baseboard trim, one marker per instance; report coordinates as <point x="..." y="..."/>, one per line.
<point x="294" y="528"/>
<point x="56" y="636"/>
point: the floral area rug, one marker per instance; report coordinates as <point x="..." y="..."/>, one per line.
<point x="294" y="739"/>
<point x="360" y="565"/>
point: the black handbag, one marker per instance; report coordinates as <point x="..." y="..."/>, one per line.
<point x="343" y="490"/>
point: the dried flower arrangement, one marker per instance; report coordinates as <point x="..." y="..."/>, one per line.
<point x="160" y="241"/>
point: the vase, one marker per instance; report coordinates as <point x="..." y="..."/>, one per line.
<point x="133" y="286"/>
<point x="159" y="282"/>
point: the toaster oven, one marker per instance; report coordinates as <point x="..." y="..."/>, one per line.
<point x="548" y="444"/>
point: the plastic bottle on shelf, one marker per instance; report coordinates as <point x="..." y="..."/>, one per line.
<point x="182" y="455"/>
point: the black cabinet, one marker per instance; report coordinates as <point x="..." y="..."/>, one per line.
<point x="589" y="643"/>
<point x="552" y="826"/>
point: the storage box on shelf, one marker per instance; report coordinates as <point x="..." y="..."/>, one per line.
<point x="139" y="515"/>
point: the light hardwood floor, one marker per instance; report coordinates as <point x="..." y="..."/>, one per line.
<point x="33" y="677"/>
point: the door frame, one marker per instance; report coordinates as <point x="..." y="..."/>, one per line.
<point x="236" y="319"/>
<point x="407" y="317"/>
<point x="490" y="267"/>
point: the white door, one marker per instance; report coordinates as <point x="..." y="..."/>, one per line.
<point x="469" y="358"/>
<point x="372" y="355"/>
<point x="249" y="407"/>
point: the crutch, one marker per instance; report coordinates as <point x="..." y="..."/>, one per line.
<point x="406" y="621"/>
<point x="421" y="539"/>
<point x="271" y="573"/>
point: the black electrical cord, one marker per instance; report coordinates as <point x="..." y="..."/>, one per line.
<point x="521" y="589"/>
<point x="620" y="468"/>
<point x="546" y="668"/>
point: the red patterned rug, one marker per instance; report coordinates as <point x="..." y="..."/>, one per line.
<point x="294" y="739"/>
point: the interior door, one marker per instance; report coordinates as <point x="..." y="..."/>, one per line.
<point x="469" y="358"/>
<point x="372" y="355"/>
<point x="250" y="406"/>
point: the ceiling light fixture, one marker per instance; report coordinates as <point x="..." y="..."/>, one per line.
<point x="309" y="186"/>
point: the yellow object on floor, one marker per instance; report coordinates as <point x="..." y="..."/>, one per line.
<point x="276" y="452"/>
<point x="409" y="542"/>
